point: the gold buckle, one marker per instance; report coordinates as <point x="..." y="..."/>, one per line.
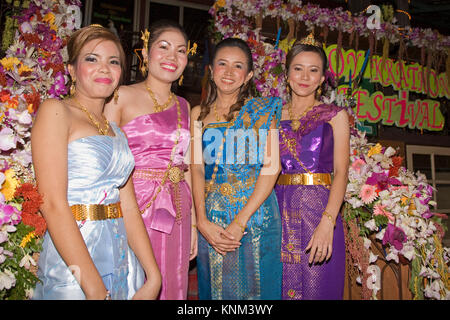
<point x="175" y="175"/>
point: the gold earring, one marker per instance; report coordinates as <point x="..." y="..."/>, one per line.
<point x="180" y="82"/>
<point x="144" y="68"/>
<point x="72" y="88"/>
<point x="319" y="91"/>
<point x="116" y="95"/>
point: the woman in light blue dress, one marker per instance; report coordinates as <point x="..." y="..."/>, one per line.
<point x="96" y="246"/>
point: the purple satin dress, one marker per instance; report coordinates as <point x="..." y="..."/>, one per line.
<point x="151" y="138"/>
<point x="301" y="208"/>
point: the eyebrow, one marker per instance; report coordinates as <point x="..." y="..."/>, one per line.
<point x="226" y="60"/>
<point x="168" y="42"/>
<point x="97" y="55"/>
<point x="302" y="65"/>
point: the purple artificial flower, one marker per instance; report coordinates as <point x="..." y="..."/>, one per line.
<point x="59" y="86"/>
<point x="394" y="236"/>
<point x="382" y="180"/>
<point x="9" y="214"/>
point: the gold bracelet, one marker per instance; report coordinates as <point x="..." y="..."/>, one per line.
<point x="239" y="225"/>
<point x="194" y="226"/>
<point x="326" y="214"/>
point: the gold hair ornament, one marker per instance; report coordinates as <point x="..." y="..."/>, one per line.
<point x="192" y="50"/>
<point x="145" y="36"/>
<point x="309" y="40"/>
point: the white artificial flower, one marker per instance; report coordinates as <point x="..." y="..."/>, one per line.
<point x="7" y="280"/>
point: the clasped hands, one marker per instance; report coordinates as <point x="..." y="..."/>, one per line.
<point x="222" y="240"/>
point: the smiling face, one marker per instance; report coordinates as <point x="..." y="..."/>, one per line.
<point x="97" y="69"/>
<point x="230" y="70"/>
<point x="305" y="73"/>
<point x="168" y="56"/>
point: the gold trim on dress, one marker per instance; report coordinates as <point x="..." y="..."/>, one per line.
<point x="305" y="179"/>
<point x="175" y="175"/>
<point x="96" y="212"/>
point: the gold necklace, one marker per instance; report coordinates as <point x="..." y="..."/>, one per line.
<point x="295" y="123"/>
<point x="156" y="106"/>
<point x="209" y="186"/>
<point x="102" y="132"/>
<point x="215" y="112"/>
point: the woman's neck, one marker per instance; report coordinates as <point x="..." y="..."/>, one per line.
<point x="225" y="101"/>
<point x="162" y="90"/>
<point x="300" y="104"/>
<point x="93" y="105"/>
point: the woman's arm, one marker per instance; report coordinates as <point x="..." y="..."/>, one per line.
<point x="263" y="186"/>
<point x="188" y="178"/>
<point x="221" y="240"/>
<point x="139" y="242"/>
<point x="321" y="243"/>
<point x="49" y="140"/>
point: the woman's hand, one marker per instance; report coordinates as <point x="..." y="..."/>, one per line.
<point x="220" y="239"/>
<point x="321" y="243"/>
<point x="149" y="291"/>
<point x="236" y="229"/>
<point x="194" y="243"/>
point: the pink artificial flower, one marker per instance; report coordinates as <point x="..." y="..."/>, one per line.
<point x="368" y="193"/>
<point x="380" y="210"/>
<point x="357" y="164"/>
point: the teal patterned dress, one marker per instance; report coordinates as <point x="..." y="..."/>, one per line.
<point x="253" y="271"/>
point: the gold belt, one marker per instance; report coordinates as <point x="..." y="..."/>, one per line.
<point x="96" y="211"/>
<point x="175" y="174"/>
<point x="305" y="179"/>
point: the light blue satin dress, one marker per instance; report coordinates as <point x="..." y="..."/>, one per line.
<point x="97" y="167"/>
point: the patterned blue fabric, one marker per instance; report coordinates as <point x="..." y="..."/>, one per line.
<point x="253" y="271"/>
<point x="97" y="167"/>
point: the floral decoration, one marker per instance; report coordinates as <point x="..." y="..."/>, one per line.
<point x="386" y="200"/>
<point x="31" y="70"/>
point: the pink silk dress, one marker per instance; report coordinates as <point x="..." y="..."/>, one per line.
<point x="151" y="138"/>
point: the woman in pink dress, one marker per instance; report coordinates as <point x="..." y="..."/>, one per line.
<point x="156" y="123"/>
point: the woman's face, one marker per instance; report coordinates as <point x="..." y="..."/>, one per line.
<point x="305" y="73"/>
<point x="230" y="70"/>
<point x="97" y="70"/>
<point x="167" y="57"/>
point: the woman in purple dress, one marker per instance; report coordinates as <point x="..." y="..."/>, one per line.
<point x="314" y="150"/>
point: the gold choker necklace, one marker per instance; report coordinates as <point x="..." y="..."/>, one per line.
<point x="295" y="123"/>
<point x="156" y="106"/>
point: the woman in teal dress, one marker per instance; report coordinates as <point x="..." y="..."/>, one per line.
<point x="235" y="164"/>
<point x="96" y="246"/>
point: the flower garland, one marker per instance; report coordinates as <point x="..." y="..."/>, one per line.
<point x="335" y="19"/>
<point x="382" y="199"/>
<point x="31" y="71"/>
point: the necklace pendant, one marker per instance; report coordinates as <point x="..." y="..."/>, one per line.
<point x="295" y="124"/>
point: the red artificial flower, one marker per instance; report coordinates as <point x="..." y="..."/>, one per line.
<point x="30" y="207"/>
<point x="33" y="98"/>
<point x="2" y="80"/>
<point x="396" y="165"/>
<point x="30" y="39"/>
